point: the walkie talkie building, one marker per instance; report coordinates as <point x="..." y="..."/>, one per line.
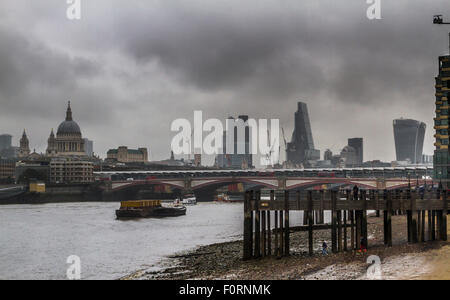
<point x="409" y="136"/>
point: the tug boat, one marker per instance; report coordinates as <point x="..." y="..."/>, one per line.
<point x="189" y="199"/>
<point x="148" y="209"/>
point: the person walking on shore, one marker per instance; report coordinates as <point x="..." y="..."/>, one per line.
<point x="324" y="248"/>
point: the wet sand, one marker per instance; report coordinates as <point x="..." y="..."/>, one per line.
<point x="224" y="261"/>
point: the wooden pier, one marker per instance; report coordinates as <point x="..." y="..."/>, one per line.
<point x="348" y="210"/>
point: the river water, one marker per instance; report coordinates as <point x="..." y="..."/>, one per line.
<point x="36" y="240"/>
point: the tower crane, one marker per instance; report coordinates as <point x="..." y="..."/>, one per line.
<point x="285" y="143"/>
<point x="269" y="155"/>
<point x="437" y="19"/>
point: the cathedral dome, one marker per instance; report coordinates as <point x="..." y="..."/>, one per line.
<point x="69" y="126"/>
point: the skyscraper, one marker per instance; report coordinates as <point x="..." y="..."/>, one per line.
<point x="357" y="144"/>
<point x="5" y="142"/>
<point x="232" y="158"/>
<point x="409" y="135"/>
<point x="88" y="147"/>
<point x="301" y="148"/>
<point x="328" y="155"/>
<point x="441" y="154"/>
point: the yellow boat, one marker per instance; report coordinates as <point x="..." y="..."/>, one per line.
<point x="148" y="209"/>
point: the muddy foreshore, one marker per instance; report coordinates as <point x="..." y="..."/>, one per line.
<point x="224" y="260"/>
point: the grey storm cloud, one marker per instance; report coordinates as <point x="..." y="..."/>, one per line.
<point x="131" y="67"/>
<point x="30" y="71"/>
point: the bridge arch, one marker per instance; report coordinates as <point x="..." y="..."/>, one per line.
<point x="292" y="184"/>
<point x="219" y="182"/>
<point x="118" y="186"/>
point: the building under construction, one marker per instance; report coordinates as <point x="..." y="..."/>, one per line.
<point x="441" y="153"/>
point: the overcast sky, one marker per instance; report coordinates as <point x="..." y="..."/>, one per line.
<point x="131" y="67"/>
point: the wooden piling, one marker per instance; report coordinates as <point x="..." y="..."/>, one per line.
<point x="419" y="225"/>
<point x="376" y="199"/>
<point x="286" y="223"/>
<point x="276" y="232"/>
<point x="334" y="248"/>
<point x="385" y="218"/>
<point x="310" y="223"/>
<point x="409" y="217"/>
<point x="358" y="217"/>
<point x="263" y="233"/>
<point x="364" y="228"/>
<point x="444" y="224"/>
<point x="438" y="224"/>
<point x="257" y="225"/>
<point x="321" y="210"/>
<point x="269" y="227"/>
<point x="248" y="232"/>
<point x="414" y="221"/>
<point x="408" y="225"/>
<point x="339" y="229"/>
<point x="281" y="243"/>
<point x="352" y="229"/>
<point x="433" y="225"/>
<point x="430" y="225"/>
<point x="388" y="213"/>
<point x="422" y="234"/>
<point x="345" y="231"/>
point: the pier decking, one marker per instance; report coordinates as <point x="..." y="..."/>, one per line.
<point x="348" y="210"/>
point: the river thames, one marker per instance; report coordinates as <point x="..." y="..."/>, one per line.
<point x="36" y="240"/>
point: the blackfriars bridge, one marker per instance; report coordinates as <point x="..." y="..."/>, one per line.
<point x="204" y="183"/>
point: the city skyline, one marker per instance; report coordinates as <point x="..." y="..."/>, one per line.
<point x="121" y="96"/>
<point x="285" y="159"/>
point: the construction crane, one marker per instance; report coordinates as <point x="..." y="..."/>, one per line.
<point x="285" y="143"/>
<point x="269" y="155"/>
<point x="437" y="19"/>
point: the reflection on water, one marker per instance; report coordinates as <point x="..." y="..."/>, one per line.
<point x="37" y="239"/>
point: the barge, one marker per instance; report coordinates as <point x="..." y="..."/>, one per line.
<point x="148" y="209"/>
